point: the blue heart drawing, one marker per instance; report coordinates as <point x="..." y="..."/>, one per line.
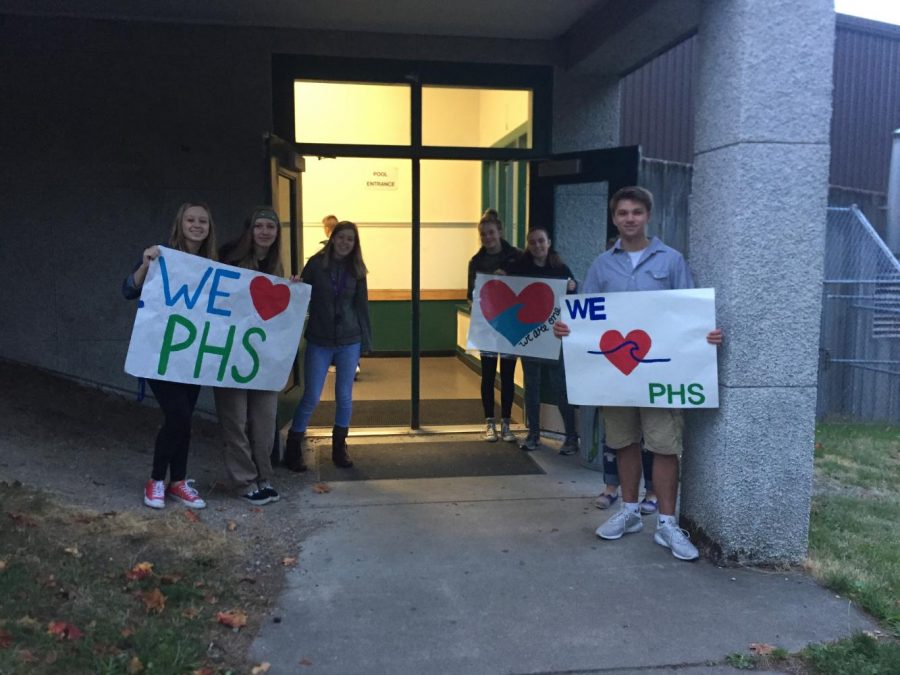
<point x="508" y="325"/>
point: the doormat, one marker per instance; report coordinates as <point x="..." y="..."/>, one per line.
<point x="396" y="413"/>
<point x="440" y="459"/>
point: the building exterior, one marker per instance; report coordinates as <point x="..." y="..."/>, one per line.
<point x="114" y="113"/>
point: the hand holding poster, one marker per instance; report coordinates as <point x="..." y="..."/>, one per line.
<point x="515" y="315"/>
<point x="645" y="349"/>
<point x="203" y="322"/>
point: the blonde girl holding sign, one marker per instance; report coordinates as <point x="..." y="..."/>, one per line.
<point x="248" y="416"/>
<point x="192" y="232"/>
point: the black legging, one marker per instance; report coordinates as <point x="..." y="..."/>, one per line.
<point x="507" y="386"/>
<point x="177" y="401"/>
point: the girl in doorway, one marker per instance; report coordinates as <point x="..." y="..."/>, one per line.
<point x="540" y="260"/>
<point x="494" y="256"/>
<point x="192" y="232"/>
<point x="248" y="455"/>
<point x="338" y="330"/>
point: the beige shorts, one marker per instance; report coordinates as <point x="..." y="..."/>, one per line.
<point x="661" y="428"/>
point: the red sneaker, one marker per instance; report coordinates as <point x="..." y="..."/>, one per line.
<point x="155" y="494"/>
<point x="183" y="491"/>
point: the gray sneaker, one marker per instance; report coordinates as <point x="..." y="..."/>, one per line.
<point x="569" y="447"/>
<point x="530" y="443"/>
<point x="676" y="540"/>
<point x="623" y="522"/>
<point x="490" y="432"/>
<point x="505" y="433"/>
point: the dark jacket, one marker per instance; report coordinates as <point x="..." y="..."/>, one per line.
<point x="525" y="267"/>
<point x="488" y="263"/>
<point x="338" y="306"/>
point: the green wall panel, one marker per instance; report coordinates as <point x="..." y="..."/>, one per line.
<point x="391" y="325"/>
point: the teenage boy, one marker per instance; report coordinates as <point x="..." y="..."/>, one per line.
<point x="640" y="263"/>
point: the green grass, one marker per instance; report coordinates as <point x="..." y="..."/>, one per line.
<point x="854" y="536"/>
<point x="858" y="655"/>
<point x="86" y="586"/>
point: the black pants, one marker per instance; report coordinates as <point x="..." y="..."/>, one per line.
<point x="507" y="385"/>
<point x="177" y="401"/>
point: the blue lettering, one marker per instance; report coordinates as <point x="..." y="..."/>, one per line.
<point x="214" y="291"/>
<point x="189" y="300"/>
<point x="596" y="309"/>
<point x="592" y="308"/>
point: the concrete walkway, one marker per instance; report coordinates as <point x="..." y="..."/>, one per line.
<point x="506" y="575"/>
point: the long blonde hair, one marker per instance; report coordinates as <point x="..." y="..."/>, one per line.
<point x="176" y="235"/>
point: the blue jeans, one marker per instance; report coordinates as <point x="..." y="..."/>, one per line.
<point x="611" y="467"/>
<point x="532" y="371"/>
<point x="315" y="369"/>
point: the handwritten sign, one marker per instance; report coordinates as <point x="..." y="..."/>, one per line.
<point x="645" y="349"/>
<point x="515" y="315"/>
<point x="204" y="322"/>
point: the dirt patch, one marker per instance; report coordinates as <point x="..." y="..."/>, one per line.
<point x="87" y="448"/>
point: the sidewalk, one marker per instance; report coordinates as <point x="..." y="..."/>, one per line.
<point x="506" y="575"/>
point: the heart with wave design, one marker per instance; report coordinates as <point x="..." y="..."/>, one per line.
<point x="515" y="315"/>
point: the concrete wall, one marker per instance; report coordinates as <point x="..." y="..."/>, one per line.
<point x="107" y="127"/>
<point x="760" y="187"/>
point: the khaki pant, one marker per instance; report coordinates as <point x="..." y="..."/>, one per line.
<point x="660" y="428"/>
<point x="247" y="417"/>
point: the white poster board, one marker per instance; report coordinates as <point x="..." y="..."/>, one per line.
<point x="203" y="322"/>
<point x="645" y="349"/>
<point x="515" y="315"/>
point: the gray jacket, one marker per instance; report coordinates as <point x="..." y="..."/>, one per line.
<point x="339" y="305"/>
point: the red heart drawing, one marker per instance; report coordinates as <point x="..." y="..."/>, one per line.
<point x="625" y="352"/>
<point x="536" y="299"/>
<point x="269" y="299"/>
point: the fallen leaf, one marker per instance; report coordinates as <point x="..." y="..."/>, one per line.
<point x="28" y="622"/>
<point x="321" y="488"/>
<point x="2" y="565"/>
<point x="305" y="662"/>
<point x="25" y="656"/>
<point x="234" y="618"/>
<point x="255" y="509"/>
<point x="761" y="648"/>
<point x="135" y="666"/>
<point x="128" y="631"/>
<point x="73" y="551"/>
<point x="169" y="579"/>
<point x="62" y="630"/>
<point x="191" y="516"/>
<point x="232" y="526"/>
<point x="5" y="639"/>
<point x="289" y="562"/>
<point x="22" y="520"/>
<point x="211" y="599"/>
<point x="140" y="571"/>
<point x="154" y="601"/>
<point x="261" y="668"/>
<point x="190" y="613"/>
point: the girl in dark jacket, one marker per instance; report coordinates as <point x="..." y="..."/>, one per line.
<point x="494" y="256"/>
<point x="338" y="331"/>
<point x="540" y="260"/>
<point x="192" y="232"/>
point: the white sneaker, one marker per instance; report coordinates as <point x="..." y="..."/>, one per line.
<point x="490" y="431"/>
<point x="676" y="540"/>
<point x="623" y="522"/>
<point x="505" y="433"/>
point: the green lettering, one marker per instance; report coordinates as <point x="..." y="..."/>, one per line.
<point x="676" y="392"/>
<point x="253" y="355"/>
<point x="696" y="394"/>
<point x="224" y="352"/>
<point x="168" y="344"/>
<point x="656" y="390"/>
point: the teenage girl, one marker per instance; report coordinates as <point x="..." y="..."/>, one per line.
<point x="494" y="256"/>
<point x="338" y="331"/>
<point x="540" y="260"/>
<point x="248" y="452"/>
<point x="192" y="232"/>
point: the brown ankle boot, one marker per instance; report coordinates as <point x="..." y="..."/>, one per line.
<point x="339" y="447"/>
<point x="293" y="451"/>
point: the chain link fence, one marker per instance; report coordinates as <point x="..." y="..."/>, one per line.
<point x="859" y="345"/>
